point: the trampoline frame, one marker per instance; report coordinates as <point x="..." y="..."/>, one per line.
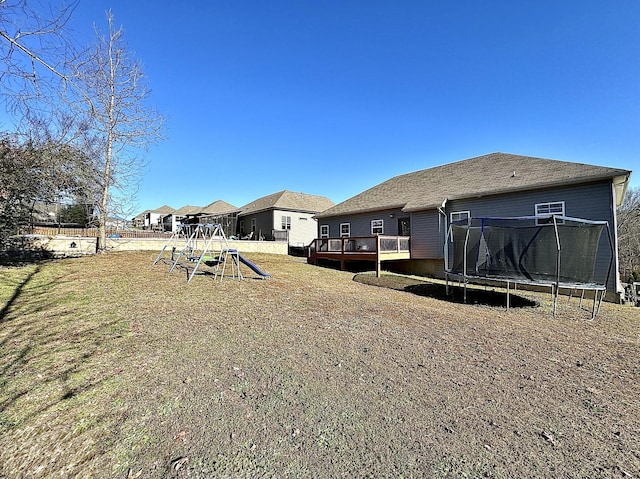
<point x="599" y="290"/>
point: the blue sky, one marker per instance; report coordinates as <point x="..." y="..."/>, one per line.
<point x="333" y="97"/>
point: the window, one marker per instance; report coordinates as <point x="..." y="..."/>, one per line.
<point x="404" y="226"/>
<point x="547" y="210"/>
<point x="345" y="229"/>
<point x="324" y="231"/>
<point x="241" y="227"/>
<point x="286" y="222"/>
<point x="253" y="225"/>
<point x="460" y="217"/>
<point x="377" y="227"/>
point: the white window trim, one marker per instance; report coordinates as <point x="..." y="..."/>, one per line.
<point x="459" y="213"/>
<point x="547" y="216"/>
<point x="324" y="234"/>
<point x="285" y="222"/>
<point x="381" y="227"/>
<point x="348" y="233"/>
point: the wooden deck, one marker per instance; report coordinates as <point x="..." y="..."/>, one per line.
<point x="359" y="248"/>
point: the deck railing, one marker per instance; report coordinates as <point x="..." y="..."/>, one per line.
<point x="361" y="244"/>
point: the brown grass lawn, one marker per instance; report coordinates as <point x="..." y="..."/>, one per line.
<point x="110" y="367"/>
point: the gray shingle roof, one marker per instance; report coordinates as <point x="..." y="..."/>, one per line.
<point x="219" y="207"/>
<point x="187" y="210"/>
<point x="494" y="173"/>
<point x="288" y="200"/>
<point x="164" y="209"/>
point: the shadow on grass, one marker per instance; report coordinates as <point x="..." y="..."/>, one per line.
<point x="475" y="295"/>
<point x="16" y="294"/>
<point x="47" y="348"/>
<point x="24" y="254"/>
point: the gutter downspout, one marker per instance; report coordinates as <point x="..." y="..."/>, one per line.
<point x="445" y="246"/>
<point x="618" y="191"/>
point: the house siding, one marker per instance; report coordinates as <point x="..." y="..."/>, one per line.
<point x="361" y="223"/>
<point x="264" y="223"/>
<point x="303" y="226"/>
<point x="592" y="201"/>
<point x="427" y="235"/>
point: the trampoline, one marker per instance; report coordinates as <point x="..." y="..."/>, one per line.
<point x="555" y="252"/>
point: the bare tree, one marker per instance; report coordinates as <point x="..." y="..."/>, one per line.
<point x="36" y="47"/>
<point x="93" y="101"/>
<point x="41" y="153"/>
<point x="629" y="235"/>
<point x="121" y="122"/>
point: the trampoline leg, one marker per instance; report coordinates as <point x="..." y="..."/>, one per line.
<point x="465" y="291"/>
<point x="507" y="295"/>
<point x="602" y="293"/>
<point x="555" y="299"/>
<point x="597" y="302"/>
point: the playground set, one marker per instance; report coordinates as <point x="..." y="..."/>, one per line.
<point x="204" y="244"/>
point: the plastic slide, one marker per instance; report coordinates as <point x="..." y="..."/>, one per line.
<point x="253" y="266"/>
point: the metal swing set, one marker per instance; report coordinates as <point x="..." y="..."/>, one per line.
<point x="200" y="244"/>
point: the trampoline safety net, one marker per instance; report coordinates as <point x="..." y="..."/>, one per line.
<point x="527" y="248"/>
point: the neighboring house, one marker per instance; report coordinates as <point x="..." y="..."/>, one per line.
<point x="219" y="212"/>
<point x="222" y="213"/>
<point x="153" y="218"/>
<point x="60" y="214"/>
<point x="285" y="216"/>
<point x="422" y="204"/>
<point x="171" y="221"/>
<point x="117" y="223"/>
<point x="138" y="220"/>
<point x="43" y="213"/>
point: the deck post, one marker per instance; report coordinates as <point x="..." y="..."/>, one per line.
<point x="378" y="261"/>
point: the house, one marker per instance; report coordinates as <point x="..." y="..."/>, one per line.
<point x="138" y="220"/>
<point x="219" y="212"/>
<point x="172" y="220"/>
<point x="152" y="219"/>
<point x="285" y="216"/>
<point x="222" y="213"/>
<point x="68" y="215"/>
<point x="421" y="205"/>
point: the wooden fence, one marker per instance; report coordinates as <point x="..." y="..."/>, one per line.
<point x="93" y="232"/>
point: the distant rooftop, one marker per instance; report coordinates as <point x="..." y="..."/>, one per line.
<point x="288" y="200"/>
